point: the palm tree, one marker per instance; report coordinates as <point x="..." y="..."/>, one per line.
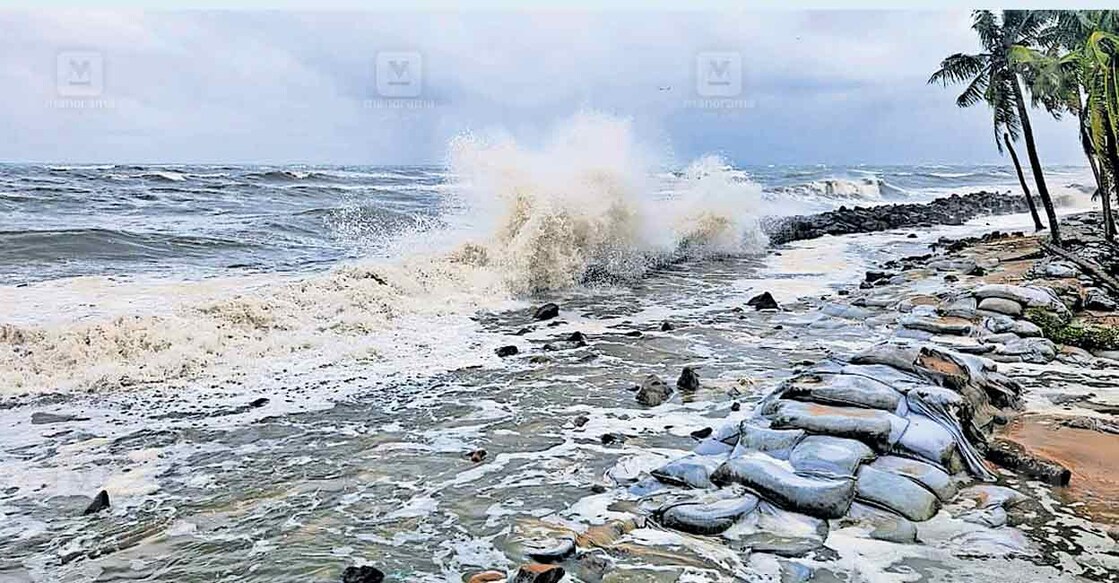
<point x="1077" y="74"/>
<point x="992" y="77"/>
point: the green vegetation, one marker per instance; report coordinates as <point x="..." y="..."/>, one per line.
<point x="1068" y="61"/>
<point x="1066" y="331"/>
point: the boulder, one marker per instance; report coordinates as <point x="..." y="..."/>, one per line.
<point x="550" y="551"/>
<point x="1001" y="306"/>
<point x="1098" y="301"/>
<point x="820" y="497"/>
<point x="834" y="457"/>
<point x="100" y="502"/>
<point x="896" y="493"/>
<point x="688" y="381"/>
<point x="653" y="391"/>
<point x="546" y="312"/>
<point x="1001" y="324"/>
<point x="362" y="574"/>
<point x="505" y="351"/>
<point x="763" y="301"/>
<point x="706" y="518"/>
<point x="538" y="573"/>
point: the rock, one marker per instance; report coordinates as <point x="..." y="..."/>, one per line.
<point x="546" y="312"/>
<point x="1096" y="300"/>
<point x="1031" y="297"/>
<point x="897" y="493"/>
<point x="693" y="471"/>
<point x="763" y="301"/>
<point x="612" y="438"/>
<point x="868" y="425"/>
<point x="1011" y="455"/>
<point x="476" y="456"/>
<point x="962" y="307"/>
<point x="362" y="574"/>
<point x="1001" y="306"/>
<point x="591" y="566"/>
<point x="653" y="391"/>
<point x="100" y="502"/>
<point x="701" y="434"/>
<point x="581" y="420"/>
<point x="551" y="551"/>
<point x="505" y="351"/>
<point x="931" y="477"/>
<point x="486" y="577"/>
<point x="949" y="326"/>
<point x="706" y="518"/>
<point x="537" y="573"/>
<point x="39" y="418"/>
<point x="1032" y="350"/>
<point x="834" y="457"/>
<point x="688" y="381"/>
<point x="873" y="276"/>
<point x="1060" y="269"/>
<point x="667" y="326"/>
<point x="258" y="402"/>
<point x="819" y="497"/>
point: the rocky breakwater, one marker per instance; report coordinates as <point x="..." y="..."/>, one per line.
<point x="950" y="210"/>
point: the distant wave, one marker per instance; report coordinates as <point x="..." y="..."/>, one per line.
<point x="863" y="189"/>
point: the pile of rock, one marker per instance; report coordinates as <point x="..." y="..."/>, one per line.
<point x="951" y="210"/>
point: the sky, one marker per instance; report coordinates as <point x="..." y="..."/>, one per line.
<point x="815" y="87"/>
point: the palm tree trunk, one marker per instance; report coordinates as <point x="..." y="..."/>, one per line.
<point x="1111" y="164"/>
<point x="1035" y="164"/>
<point x="1101" y="181"/>
<point x="1025" y="187"/>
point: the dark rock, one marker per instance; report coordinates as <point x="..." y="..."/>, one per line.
<point x="736" y="406"/>
<point x="702" y="433"/>
<point x="688" y="381"/>
<point x="581" y="420"/>
<point x="634" y="333"/>
<point x="653" y="391"/>
<point x="951" y="278"/>
<point x="362" y="574"/>
<point x="523" y="331"/>
<point x="1013" y="456"/>
<point x="578" y="338"/>
<point x="763" y="301"/>
<point x="546" y="312"/>
<point x="873" y="276"/>
<point x="911" y="236"/>
<point x="612" y="438"/>
<point x="258" y="402"/>
<point x="667" y="326"/>
<point x="537" y="573"/>
<point x="505" y="351"/>
<point x="477" y="455"/>
<point x="598" y="488"/>
<point x="100" y="502"/>
<point x="48" y="418"/>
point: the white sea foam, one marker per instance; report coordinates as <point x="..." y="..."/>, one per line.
<point x="525" y="220"/>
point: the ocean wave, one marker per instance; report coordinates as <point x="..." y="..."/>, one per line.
<point x="861" y="189"/>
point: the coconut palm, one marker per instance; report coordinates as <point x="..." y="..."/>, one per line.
<point x="993" y="78"/>
<point x="1077" y="73"/>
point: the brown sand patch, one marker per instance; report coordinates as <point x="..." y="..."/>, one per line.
<point x="1092" y="456"/>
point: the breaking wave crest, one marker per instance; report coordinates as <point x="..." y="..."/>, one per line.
<point x="583" y="206"/>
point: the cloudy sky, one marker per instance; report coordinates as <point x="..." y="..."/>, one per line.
<point x="828" y="87"/>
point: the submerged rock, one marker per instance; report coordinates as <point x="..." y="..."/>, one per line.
<point x="551" y="551"/>
<point x="100" y="502"/>
<point x="362" y="574"/>
<point x="546" y="312"/>
<point x="688" y="381"/>
<point x="537" y="573"/>
<point x="763" y="301"/>
<point x="505" y="351"/>
<point x="653" y="391"/>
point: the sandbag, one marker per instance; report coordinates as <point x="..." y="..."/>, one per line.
<point x="772" y="529"/>
<point x="934" y="479"/>
<point x="841" y="389"/>
<point x="835" y="457"/>
<point x="815" y="496"/>
<point x="776" y="443"/>
<point x="693" y="471"/>
<point x="874" y="427"/>
<point x="880" y="524"/>
<point x="706" y="518"/>
<point x="897" y="493"/>
<point x="926" y="439"/>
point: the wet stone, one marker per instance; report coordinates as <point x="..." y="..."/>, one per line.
<point x="362" y="574"/>
<point x="506" y="351"/>
<point x="688" y="381"/>
<point x="100" y="502"/>
<point x="763" y="301"/>
<point x="653" y="391"/>
<point x="546" y="312"/>
<point x="537" y="573"/>
<point x="667" y="326"/>
<point x="1001" y="306"/>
